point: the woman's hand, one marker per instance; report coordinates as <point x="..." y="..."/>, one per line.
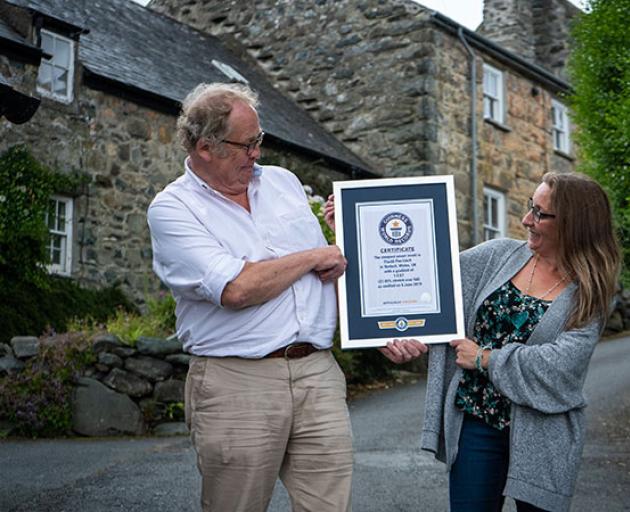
<point x="329" y="212"/>
<point x="402" y="351"/>
<point x="466" y="352"/>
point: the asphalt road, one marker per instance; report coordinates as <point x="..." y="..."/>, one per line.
<point x="391" y="472"/>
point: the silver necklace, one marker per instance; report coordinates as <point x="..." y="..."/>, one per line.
<point x="531" y="278"/>
<point x="521" y="316"/>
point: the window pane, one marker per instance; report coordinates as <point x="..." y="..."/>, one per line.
<point x="55" y="249"/>
<point x="62" y="54"/>
<point x="62" y="253"/>
<point x="494" y="219"/>
<point x="47" y="43"/>
<point x="52" y="214"/>
<point x="61" y="218"/>
<point x="561" y="120"/>
<point x="61" y="81"/>
<point x="491" y="84"/>
<point x="44" y="78"/>
<point x="487" y="111"/>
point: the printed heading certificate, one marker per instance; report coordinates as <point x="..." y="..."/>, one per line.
<point x="396" y="242"/>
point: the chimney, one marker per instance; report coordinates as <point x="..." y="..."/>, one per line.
<point x="510" y="24"/>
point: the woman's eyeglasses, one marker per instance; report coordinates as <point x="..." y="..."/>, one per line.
<point x="537" y="214"/>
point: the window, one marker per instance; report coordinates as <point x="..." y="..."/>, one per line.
<point x="56" y="75"/>
<point x="560" y="130"/>
<point x="492" y="94"/>
<point x="493" y="214"/>
<point x="59" y="222"/>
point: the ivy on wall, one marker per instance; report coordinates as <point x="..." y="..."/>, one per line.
<point x="25" y="188"/>
<point x="31" y="300"/>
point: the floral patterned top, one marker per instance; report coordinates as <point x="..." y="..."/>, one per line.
<point x="506" y="316"/>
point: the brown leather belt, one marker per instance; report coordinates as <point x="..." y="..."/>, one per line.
<point x="293" y="351"/>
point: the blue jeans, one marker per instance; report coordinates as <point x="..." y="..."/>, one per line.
<point x="478" y="476"/>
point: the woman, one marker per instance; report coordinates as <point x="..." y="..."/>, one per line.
<point x="504" y="407"/>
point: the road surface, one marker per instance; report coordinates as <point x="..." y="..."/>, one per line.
<point x="391" y="472"/>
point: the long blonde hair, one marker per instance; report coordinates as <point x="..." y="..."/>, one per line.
<point x="588" y="248"/>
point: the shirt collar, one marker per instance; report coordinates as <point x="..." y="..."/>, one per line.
<point x="258" y="171"/>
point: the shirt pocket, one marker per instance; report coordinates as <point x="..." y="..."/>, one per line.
<point x="296" y="231"/>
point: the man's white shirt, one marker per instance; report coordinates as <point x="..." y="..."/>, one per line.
<point x="201" y="241"/>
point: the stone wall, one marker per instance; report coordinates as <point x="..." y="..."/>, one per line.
<point x="514" y="156"/>
<point x="395" y="88"/>
<point x="129" y="390"/>
<point x="129" y="153"/>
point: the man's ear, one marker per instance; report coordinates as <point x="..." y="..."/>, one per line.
<point x="205" y="150"/>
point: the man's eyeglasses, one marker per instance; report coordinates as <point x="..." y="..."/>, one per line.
<point x="538" y="215"/>
<point x="249" y="148"/>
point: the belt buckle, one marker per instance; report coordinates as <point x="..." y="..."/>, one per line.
<point x="289" y="347"/>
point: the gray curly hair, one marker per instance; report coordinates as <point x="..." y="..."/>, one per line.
<point x="205" y="112"/>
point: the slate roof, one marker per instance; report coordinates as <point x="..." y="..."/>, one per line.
<point x="6" y="32"/>
<point x="11" y="40"/>
<point x="144" y="50"/>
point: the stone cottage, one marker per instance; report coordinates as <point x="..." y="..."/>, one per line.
<point x="414" y="93"/>
<point x="111" y="76"/>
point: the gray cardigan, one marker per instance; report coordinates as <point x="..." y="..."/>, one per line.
<point x="543" y="378"/>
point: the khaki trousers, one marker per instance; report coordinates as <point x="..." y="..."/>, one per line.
<point x="253" y="421"/>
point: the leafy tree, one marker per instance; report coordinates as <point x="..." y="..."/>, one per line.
<point x="600" y="73"/>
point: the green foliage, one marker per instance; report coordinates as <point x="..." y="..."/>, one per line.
<point x="175" y="411"/>
<point x="159" y="321"/>
<point x="31" y="301"/>
<point x="600" y="74"/>
<point x="25" y="189"/>
<point x="29" y="309"/>
<point x="318" y="209"/>
<point x="37" y="400"/>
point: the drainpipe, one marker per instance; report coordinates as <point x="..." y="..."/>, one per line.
<point x="473" y="136"/>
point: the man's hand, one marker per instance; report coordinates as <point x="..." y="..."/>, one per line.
<point x="329" y="212"/>
<point x="331" y="263"/>
<point x="403" y="351"/>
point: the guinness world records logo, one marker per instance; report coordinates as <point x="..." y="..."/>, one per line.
<point x="395" y="228"/>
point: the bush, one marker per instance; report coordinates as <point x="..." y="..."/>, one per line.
<point x="28" y="308"/>
<point x="159" y="321"/>
<point x="37" y="400"/>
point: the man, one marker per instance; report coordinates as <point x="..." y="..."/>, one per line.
<point x="253" y="279"/>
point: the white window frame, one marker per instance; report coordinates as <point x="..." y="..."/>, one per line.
<point x="560" y="130"/>
<point x="494" y="199"/>
<point x="52" y="64"/>
<point x="65" y="267"/>
<point x="493" y="102"/>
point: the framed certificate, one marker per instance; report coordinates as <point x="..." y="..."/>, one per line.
<point x="402" y="281"/>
